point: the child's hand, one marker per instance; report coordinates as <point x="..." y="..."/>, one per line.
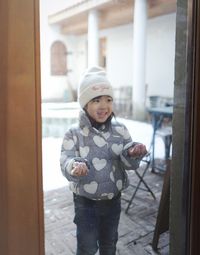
<point x="79" y="169"/>
<point x="139" y="150"/>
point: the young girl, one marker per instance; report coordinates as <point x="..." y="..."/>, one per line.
<point x="94" y="157"/>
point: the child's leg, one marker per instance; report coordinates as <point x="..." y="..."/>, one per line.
<point x="87" y="226"/>
<point x="109" y="228"/>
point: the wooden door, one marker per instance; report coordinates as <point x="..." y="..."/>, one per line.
<point x="185" y="174"/>
<point x="21" y="203"/>
<point x="194" y="222"/>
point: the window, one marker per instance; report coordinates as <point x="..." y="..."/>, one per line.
<point x="102" y="51"/>
<point x="58" y="58"/>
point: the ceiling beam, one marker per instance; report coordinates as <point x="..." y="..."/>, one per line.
<point x="77" y="9"/>
<point x="111" y="13"/>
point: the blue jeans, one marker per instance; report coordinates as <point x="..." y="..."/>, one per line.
<point x="97" y="225"/>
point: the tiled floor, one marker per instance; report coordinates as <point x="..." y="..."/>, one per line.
<point x="135" y="231"/>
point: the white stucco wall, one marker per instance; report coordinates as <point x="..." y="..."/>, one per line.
<point x="119" y="54"/>
<point x="54" y="87"/>
<point x="47" y="36"/>
<point x="159" y="56"/>
<point x="160" y="53"/>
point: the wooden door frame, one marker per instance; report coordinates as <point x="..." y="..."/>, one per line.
<point x="21" y="195"/>
<point x="185" y="184"/>
<point x="21" y="200"/>
<point x="3" y="197"/>
<point x="194" y="222"/>
<point x="191" y="182"/>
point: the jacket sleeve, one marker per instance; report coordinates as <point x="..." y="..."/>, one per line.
<point x="128" y="162"/>
<point x="69" y="155"/>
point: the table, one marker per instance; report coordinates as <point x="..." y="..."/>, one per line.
<point x="158" y="114"/>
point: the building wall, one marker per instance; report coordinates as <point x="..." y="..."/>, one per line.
<point x="159" y="56"/>
<point x="53" y="87"/>
<point x="119" y="54"/>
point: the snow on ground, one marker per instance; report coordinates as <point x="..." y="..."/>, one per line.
<point x="52" y="176"/>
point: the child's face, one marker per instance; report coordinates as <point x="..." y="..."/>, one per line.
<point x="100" y="108"/>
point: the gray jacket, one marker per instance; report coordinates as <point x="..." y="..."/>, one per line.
<point x="105" y="153"/>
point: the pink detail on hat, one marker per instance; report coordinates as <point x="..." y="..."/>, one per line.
<point x="100" y="88"/>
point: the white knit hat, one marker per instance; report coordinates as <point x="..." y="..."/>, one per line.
<point x="93" y="83"/>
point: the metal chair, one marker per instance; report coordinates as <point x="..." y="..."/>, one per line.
<point x="147" y="161"/>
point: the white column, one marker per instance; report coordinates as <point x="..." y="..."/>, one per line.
<point x="139" y="58"/>
<point x="93" y="38"/>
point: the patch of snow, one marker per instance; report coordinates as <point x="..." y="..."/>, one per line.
<point x="51" y="147"/>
